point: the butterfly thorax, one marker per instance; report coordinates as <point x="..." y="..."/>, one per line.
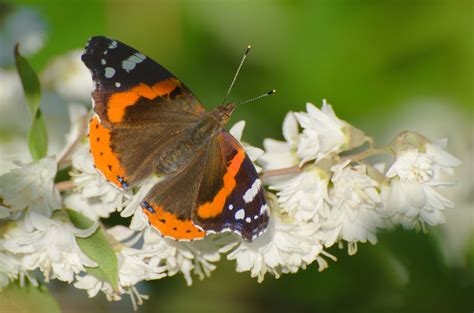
<point x="222" y="113"/>
<point x="194" y="139"/>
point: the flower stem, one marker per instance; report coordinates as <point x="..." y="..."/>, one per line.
<point x="371" y="151"/>
<point x="63" y="162"/>
<point x="281" y="172"/>
<point x="64" y="185"/>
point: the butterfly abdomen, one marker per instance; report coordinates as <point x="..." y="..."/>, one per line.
<point x="182" y="148"/>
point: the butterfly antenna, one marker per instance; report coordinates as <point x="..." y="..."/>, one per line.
<point x="236" y="73"/>
<point x="269" y="93"/>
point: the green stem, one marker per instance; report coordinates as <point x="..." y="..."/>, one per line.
<point x="371" y="151"/>
<point x="281" y="172"/>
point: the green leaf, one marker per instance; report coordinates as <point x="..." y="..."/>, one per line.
<point x="30" y="81"/>
<point x="37" y="136"/>
<point x="27" y="299"/>
<point x="98" y="249"/>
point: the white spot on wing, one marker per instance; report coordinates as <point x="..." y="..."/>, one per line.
<point x="118" y="84"/>
<point x="109" y="72"/>
<point x="113" y="45"/>
<point x="240" y="214"/>
<point x="137" y="58"/>
<point x="263" y="209"/>
<point x="252" y="191"/>
<point x="231" y="207"/>
<point x="102" y="61"/>
<point x="248" y="219"/>
<point x="128" y="65"/>
<point x="132" y="61"/>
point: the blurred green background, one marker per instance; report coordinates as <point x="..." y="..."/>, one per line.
<point x="384" y="66"/>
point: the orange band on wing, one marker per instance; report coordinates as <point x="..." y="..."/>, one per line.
<point x="118" y="102"/>
<point x="214" y="207"/>
<point x="105" y="160"/>
<point x="170" y="226"/>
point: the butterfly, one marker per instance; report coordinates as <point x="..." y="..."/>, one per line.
<point x="146" y="123"/>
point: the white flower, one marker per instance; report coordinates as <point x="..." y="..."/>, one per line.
<point x="282" y="154"/>
<point x="253" y="152"/>
<point x="4" y="212"/>
<point x="13" y="108"/>
<point x="179" y="256"/>
<point x="93" y="196"/>
<point x="24" y="26"/>
<point x="31" y="185"/>
<point x="305" y="196"/>
<point x="92" y="285"/>
<point x="157" y="257"/>
<point x="285" y="247"/>
<point x="355" y="199"/>
<point x="136" y="265"/>
<point x="68" y="76"/>
<point x="414" y="194"/>
<point x="133" y="205"/>
<point x="77" y="118"/>
<point x="50" y="245"/>
<point x="9" y="268"/>
<point x="323" y="133"/>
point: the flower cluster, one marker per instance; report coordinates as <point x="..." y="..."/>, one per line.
<point x="321" y="191"/>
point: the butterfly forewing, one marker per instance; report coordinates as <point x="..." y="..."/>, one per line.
<point x="123" y="77"/>
<point x="140" y="107"/>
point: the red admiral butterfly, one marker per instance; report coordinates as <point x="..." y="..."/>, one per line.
<point x="148" y="122"/>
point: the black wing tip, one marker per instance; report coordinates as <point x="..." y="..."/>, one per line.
<point x="98" y="39"/>
<point x="96" y="43"/>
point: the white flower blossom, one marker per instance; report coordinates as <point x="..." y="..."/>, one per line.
<point x="24" y="26"/>
<point x="31" y="185"/>
<point x="415" y="190"/>
<point x="92" y="285"/>
<point x="9" y="268"/>
<point x="157" y="257"/>
<point x="77" y="117"/>
<point x="68" y="76"/>
<point x="253" y="152"/>
<point x="93" y="196"/>
<point x="285" y="247"/>
<point x="304" y="196"/>
<point x="4" y="212"/>
<point x="195" y="257"/>
<point x="323" y="133"/>
<point x="136" y="265"/>
<point x="49" y="245"/>
<point x="282" y="154"/>
<point x="355" y="200"/>
<point x="133" y="205"/>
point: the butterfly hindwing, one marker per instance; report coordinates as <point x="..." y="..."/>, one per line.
<point x="168" y="205"/>
<point x="231" y="197"/>
<point x="217" y="191"/>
